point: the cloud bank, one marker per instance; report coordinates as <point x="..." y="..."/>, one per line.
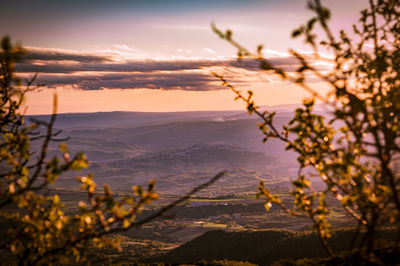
<point x="96" y="71"/>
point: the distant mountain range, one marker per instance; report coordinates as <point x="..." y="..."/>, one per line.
<point x="132" y="119"/>
<point x="177" y="149"/>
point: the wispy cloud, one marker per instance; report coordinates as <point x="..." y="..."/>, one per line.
<point x="181" y="27"/>
<point x="46" y="54"/>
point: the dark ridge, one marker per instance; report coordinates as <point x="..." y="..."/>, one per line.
<point x="259" y="247"/>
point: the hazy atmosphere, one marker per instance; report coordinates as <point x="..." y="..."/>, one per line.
<point x="156" y="55"/>
<point x="212" y="132"/>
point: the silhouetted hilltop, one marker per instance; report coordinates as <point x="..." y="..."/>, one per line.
<point x="260" y="247"/>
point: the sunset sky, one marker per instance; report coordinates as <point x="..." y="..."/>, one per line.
<point x="137" y="55"/>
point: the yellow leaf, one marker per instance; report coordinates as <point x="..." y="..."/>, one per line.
<point x="126" y="223"/>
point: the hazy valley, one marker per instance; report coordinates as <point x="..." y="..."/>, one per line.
<point x="181" y="151"/>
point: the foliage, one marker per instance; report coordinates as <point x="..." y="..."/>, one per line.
<point x="39" y="230"/>
<point x="355" y="150"/>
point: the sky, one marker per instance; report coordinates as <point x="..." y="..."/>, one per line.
<point x="156" y="55"/>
